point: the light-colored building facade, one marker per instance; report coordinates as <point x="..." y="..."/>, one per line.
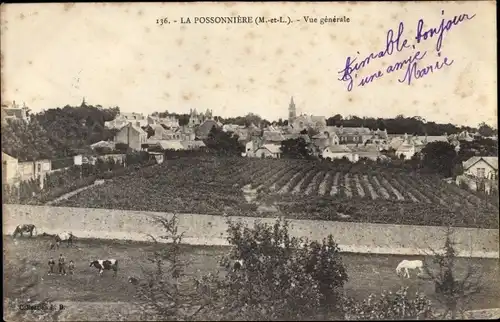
<point x="13" y="171"/>
<point x="482" y="167"/>
<point x="131" y="135"/>
<point x="14" y="111"/>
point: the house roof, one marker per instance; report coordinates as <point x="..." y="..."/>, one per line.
<point x="133" y="116"/>
<point x="369" y="148"/>
<point x="492" y="161"/>
<point x="104" y="144"/>
<point x="167" y="144"/>
<point x="273" y="136"/>
<point x="137" y="128"/>
<point x="405" y="147"/>
<point x="432" y="138"/>
<point x="8" y="158"/>
<point x="348" y="130"/>
<point x="318" y="119"/>
<point x="273" y="148"/>
<point x="204" y="129"/>
<point x="320" y="135"/>
<point x="189" y="144"/>
<point x="338" y="149"/>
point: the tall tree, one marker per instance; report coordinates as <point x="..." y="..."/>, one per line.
<point x="223" y="142"/>
<point x="439" y="157"/>
<point x="485" y="130"/>
<point x="295" y="149"/>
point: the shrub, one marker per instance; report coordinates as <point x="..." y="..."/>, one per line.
<point x="160" y="291"/>
<point x="282" y="277"/>
<point x="389" y="306"/>
<point x="452" y="292"/>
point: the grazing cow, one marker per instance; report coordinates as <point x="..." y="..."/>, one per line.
<point x="26" y="228"/>
<point x="406" y="266"/>
<point x="105" y="264"/>
<point x="58" y="238"/>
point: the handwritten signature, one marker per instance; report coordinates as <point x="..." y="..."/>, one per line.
<point x="396" y="43"/>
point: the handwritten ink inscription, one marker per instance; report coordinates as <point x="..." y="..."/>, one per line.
<point x="411" y="67"/>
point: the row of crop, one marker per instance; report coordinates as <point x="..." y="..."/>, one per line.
<point x="323" y="185"/>
<point x="368" y="188"/>
<point x="387" y="212"/>
<point x="294" y="182"/>
<point x="411" y="186"/>
<point x="332" y="184"/>
<point x="308" y="178"/>
<point x="355" y="187"/>
<point x="433" y="187"/>
<point x="265" y="181"/>
<point x="398" y="194"/>
<point x="380" y="188"/>
<point x="314" y="186"/>
<point x="247" y="174"/>
<point x="281" y="183"/>
<point x="269" y="172"/>
<point x="405" y="193"/>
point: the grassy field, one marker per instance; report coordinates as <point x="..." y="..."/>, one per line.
<point x="25" y="261"/>
<point x="298" y="189"/>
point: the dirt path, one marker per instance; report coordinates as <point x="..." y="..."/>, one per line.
<point x="74" y="192"/>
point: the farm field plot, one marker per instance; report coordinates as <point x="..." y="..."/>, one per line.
<point x="25" y="261"/>
<point x="299" y="189"/>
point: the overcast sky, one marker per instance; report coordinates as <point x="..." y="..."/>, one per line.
<point x="116" y="55"/>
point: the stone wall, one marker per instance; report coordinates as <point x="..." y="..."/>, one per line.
<point x="211" y="230"/>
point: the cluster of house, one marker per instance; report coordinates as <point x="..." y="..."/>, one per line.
<point x="334" y="142"/>
<point x="167" y="134"/>
<point x="14" y="171"/>
<point x="14" y="111"/>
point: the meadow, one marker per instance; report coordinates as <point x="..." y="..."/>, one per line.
<point x="298" y="189"/>
<point x="25" y="265"/>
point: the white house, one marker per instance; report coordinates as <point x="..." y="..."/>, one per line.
<point x="269" y="150"/>
<point x="481" y="167"/>
<point x="407" y="150"/>
<point x="337" y="152"/>
<point x="131" y="135"/>
<point x="124" y="119"/>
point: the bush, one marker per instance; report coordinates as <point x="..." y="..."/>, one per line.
<point x="389" y="306"/>
<point x="452" y="292"/>
<point x="282" y="277"/>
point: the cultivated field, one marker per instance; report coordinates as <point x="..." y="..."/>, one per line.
<point x="25" y="262"/>
<point x="298" y="189"/>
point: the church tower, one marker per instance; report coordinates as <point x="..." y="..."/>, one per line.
<point x="292" y="112"/>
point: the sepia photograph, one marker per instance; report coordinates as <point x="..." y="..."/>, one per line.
<point x="250" y="161"/>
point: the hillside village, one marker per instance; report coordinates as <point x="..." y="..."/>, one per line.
<point x="158" y="132"/>
<point x="334" y="142"/>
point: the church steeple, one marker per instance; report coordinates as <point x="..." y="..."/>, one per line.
<point x="292" y="112"/>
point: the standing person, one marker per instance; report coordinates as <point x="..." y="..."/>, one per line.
<point x="71" y="267"/>
<point x="52" y="263"/>
<point x="62" y="264"/>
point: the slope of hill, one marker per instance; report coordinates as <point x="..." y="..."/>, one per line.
<point x="295" y="188"/>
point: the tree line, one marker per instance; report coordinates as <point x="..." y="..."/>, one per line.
<point x="57" y="133"/>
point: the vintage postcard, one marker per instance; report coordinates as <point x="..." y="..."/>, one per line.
<point x="250" y="161"/>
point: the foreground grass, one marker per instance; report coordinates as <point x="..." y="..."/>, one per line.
<point x="299" y="189"/>
<point x="28" y="257"/>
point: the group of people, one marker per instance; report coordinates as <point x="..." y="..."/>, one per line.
<point x="61" y="265"/>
